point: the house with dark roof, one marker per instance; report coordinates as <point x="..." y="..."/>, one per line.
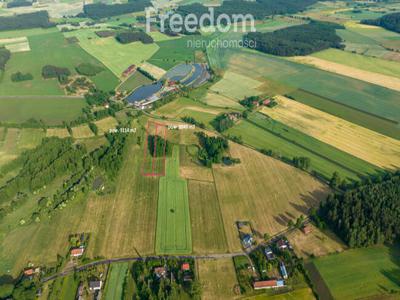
<point x="95" y="285"/>
<point x="283" y="270"/>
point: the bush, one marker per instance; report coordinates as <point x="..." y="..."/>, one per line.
<point x="16" y="77"/>
<point x="88" y="69"/>
<point x="50" y="71"/>
<point x="134" y="36"/>
<point x="5" y="55"/>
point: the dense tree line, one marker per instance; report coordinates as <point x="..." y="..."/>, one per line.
<point x="18" y="3"/>
<point x="25" y="21"/>
<point x="193" y="121"/>
<point x="296" y="40"/>
<point x="389" y="22"/>
<point x="259" y="8"/>
<point x="88" y="69"/>
<point x="5" y="55"/>
<point x="147" y="74"/>
<point x="101" y="10"/>
<point x="366" y="215"/>
<point x="224" y="121"/>
<point x="17" y="77"/>
<point x="212" y="148"/>
<point x="134" y="36"/>
<point x="158" y="146"/>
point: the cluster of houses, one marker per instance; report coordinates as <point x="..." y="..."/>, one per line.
<point x="281" y="244"/>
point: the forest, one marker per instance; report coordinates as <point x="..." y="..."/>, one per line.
<point x="259" y="8"/>
<point x="134" y="36"/>
<point x="212" y="148"/>
<point x="101" y="10"/>
<point x="297" y="40"/>
<point x="5" y="55"/>
<point x="25" y="21"/>
<point x="18" y="3"/>
<point x="366" y="215"/>
<point x="389" y="22"/>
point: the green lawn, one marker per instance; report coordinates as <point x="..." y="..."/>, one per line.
<point x="115" y="281"/>
<point x="261" y="133"/>
<point x="64" y="288"/>
<point x="52" y="110"/>
<point x="135" y="80"/>
<point x="362" y="62"/>
<point x="173" y="218"/>
<point x="116" y="56"/>
<point x="49" y="49"/>
<point x="360" y="273"/>
<point x="176" y="51"/>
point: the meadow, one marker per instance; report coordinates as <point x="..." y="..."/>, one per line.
<point x="82" y="132"/>
<point x="114" y="55"/>
<point x="132" y="82"/>
<point x="288" y="143"/>
<point x="53" y="110"/>
<point x="218" y="278"/>
<point x="125" y="219"/>
<point x="263" y="190"/>
<point x="115" y="281"/>
<point x="173" y="216"/>
<point x="104" y="125"/>
<point x="208" y="234"/>
<point x="344" y="90"/>
<point x="377" y="149"/>
<point x="175" y="51"/>
<point x="364" y="272"/>
<point x="49" y="49"/>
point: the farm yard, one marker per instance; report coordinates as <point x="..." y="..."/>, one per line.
<point x="365" y="272"/>
<point x="264" y="183"/>
<point x="367" y="145"/>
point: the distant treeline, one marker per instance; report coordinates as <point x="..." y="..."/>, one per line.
<point x="134" y="36"/>
<point x="389" y="22"/>
<point x="18" y="3"/>
<point x="25" y="21"/>
<point x="296" y="40"/>
<point x="366" y="215"/>
<point x="259" y="8"/>
<point x="5" y="55"/>
<point x="101" y="10"/>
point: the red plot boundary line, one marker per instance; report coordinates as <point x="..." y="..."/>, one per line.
<point x="153" y="159"/>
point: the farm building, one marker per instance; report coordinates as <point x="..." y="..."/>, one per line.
<point x="283" y="270"/>
<point x="306" y="229"/>
<point x="269" y="254"/>
<point x="282" y="244"/>
<point x="185" y="267"/>
<point x="77" y="252"/>
<point x="160" y="272"/>
<point x="268" y="284"/>
<point x="247" y="241"/>
<point x="95" y="285"/>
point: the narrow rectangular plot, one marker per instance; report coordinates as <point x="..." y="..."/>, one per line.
<point x="154" y="165"/>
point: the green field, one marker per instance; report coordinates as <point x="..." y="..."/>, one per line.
<point x="173" y="218"/>
<point x="135" y="80"/>
<point x="362" y="62"/>
<point x="116" y="56"/>
<point x="53" y="110"/>
<point x="174" y="52"/>
<point x="115" y="281"/>
<point x="360" y="273"/>
<point x="369" y="121"/>
<point x="64" y="288"/>
<point x="263" y="133"/>
<point x="49" y="49"/>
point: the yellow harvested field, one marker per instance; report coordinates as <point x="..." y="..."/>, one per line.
<point x="19" y="44"/>
<point x="315" y="243"/>
<point x="237" y="86"/>
<point x="155" y="71"/>
<point x="367" y="76"/>
<point x="58" y="132"/>
<point x="8" y="148"/>
<point x="218" y="278"/>
<point x="81" y="132"/>
<point x="363" y="143"/>
<point x="104" y="125"/>
<point x="263" y="190"/>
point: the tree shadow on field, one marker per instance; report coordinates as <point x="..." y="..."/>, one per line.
<point x="310" y="200"/>
<point x="394" y="274"/>
<point x="282" y="219"/>
<point x="5" y="279"/>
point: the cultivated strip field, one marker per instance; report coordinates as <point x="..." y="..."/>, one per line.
<point x="173" y="216"/>
<point x="218" y="278"/>
<point x="58" y="132"/>
<point x="371" y="77"/>
<point x="263" y="190"/>
<point x="363" y="143"/>
<point x="155" y="71"/>
<point x="104" y="125"/>
<point x="82" y="132"/>
<point x="115" y="281"/>
<point x="18" y="44"/>
<point x="208" y="233"/>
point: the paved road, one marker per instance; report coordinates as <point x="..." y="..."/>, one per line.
<point x="128" y="259"/>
